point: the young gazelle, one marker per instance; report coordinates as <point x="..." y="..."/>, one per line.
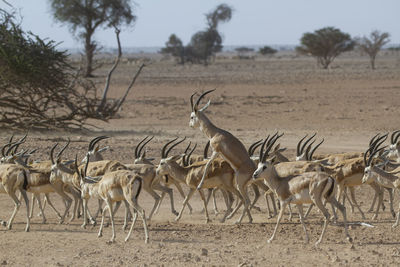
<point x="226" y="145"/>
<point x="306" y="188"/>
<point x="122" y="185"/>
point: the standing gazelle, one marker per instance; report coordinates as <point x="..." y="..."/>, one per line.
<point x="228" y="146"/>
<point x="122" y="185"/>
<point x="306" y="188"/>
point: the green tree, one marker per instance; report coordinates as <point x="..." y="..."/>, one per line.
<point x="174" y="47"/>
<point x="267" y="50"/>
<point x="373" y="44"/>
<point x="85" y="17"/>
<point x="325" y="44"/>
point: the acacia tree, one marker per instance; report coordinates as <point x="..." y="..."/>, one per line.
<point x="174" y="46"/>
<point x="85" y="17"/>
<point x="38" y="87"/>
<point x="267" y="50"/>
<point x="203" y="44"/>
<point x="325" y="44"/>
<point x="372" y="45"/>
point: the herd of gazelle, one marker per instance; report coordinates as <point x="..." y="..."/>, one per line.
<point x="231" y="168"/>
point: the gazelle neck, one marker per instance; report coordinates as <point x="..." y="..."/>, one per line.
<point x="177" y="172"/>
<point x="272" y="178"/>
<point x="206" y="126"/>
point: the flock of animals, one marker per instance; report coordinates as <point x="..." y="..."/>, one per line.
<point x="231" y="168"/>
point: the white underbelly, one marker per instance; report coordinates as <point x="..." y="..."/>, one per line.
<point x="302" y="197"/>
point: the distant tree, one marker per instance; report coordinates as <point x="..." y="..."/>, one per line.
<point x="325" y="44"/>
<point x="174" y="47"/>
<point x="372" y="45"/>
<point x="267" y="50"/>
<point x="204" y="44"/>
<point x="85" y="17"/>
<point x="243" y="52"/>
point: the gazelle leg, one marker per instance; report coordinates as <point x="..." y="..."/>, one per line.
<point x="47" y="198"/>
<point x="216" y="212"/>
<point x="283" y="206"/>
<point x="205" y="205"/>
<point x="26" y="199"/>
<point x="189" y="195"/>
<point x="178" y="186"/>
<point x="300" y="209"/>
<point x="354" y="201"/>
<point x="169" y="191"/>
<point x="397" y="219"/>
<point x="16" y="207"/>
<point x="100" y="234"/>
<point x="110" y="209"/>
<point x="156" y="201"/>
<point x="342" y="209"/>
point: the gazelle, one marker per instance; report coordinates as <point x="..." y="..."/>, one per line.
<point x="309" y="187"/>
<point x="374" y="174"/>
<point x="219" y="175"/>
<point x="60" y="172"/>
<point x="151" y="181"/>
<point x="122" y="185"/>
<point x="12" y="178"/>
<point x="228" y="146"/>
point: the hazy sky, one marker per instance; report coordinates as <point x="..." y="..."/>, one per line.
<point x="254" y="22"/>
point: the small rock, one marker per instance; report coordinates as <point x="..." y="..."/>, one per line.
<point x="204" y="252"/>
<point x="4" y="262"/>
<point x="197" y="259"/>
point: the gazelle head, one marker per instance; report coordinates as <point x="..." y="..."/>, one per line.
<point x="369" y="174"/>
<point x="393" y="151"/>
<point x="58" y="168"/>
<point x="196" y="114"/>
<point x="265" y="165"/>
<point x="95" y="151"/>
<point x="9" y="151"/>
<point x="140" y="158"/>
<point x="164" y="167"/>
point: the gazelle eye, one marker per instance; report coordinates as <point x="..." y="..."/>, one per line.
<point x="264" y="167"/>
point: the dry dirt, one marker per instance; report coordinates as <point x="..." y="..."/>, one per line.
<point x="346" y="105"/>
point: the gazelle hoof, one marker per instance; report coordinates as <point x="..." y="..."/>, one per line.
<point x="175" y="213"/>
<point x="394" y="225"/>
<point x="27" y="229"/>
<point x="109" y="242"/>
<point x="3" y="223"/>
<point x="269" y="241"/>
<point x="83" y="226"/>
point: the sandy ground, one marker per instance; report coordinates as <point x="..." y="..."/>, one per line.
<point x="346" y="105"/>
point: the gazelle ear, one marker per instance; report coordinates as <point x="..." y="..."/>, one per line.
<point x="272" y="160"/>
<point x="205" y="106"/>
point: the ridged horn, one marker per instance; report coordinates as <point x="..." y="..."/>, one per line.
<point x="163" y="156"/>
<point x="52" y="152"/>
<point x="195" y="108"/>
